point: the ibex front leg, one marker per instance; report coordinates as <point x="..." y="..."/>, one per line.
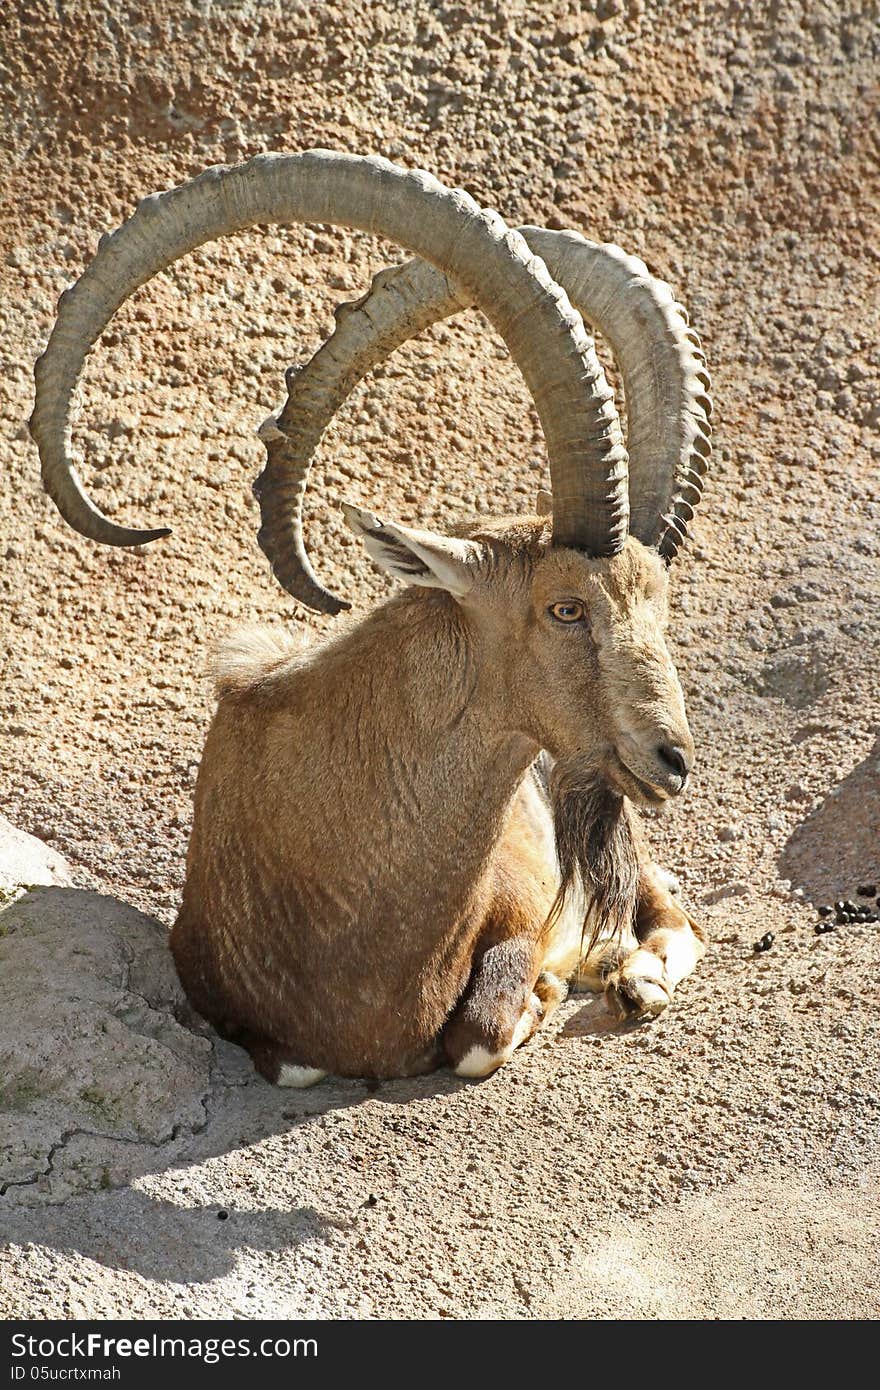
<point x="670" y="945"/>
<point x="502" y="1007"/>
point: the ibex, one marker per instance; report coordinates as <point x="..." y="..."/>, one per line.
<point x="409" y="837"/>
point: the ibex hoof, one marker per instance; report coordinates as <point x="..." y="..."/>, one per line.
<point x="638" y="989"/>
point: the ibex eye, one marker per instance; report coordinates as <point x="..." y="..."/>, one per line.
<point x="570" y="612"/>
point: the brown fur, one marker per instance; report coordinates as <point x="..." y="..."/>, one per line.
<point x="363" y="838"/>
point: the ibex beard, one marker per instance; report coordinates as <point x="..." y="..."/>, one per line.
<point x="596" y="851"/>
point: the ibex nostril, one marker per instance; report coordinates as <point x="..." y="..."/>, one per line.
<point x="674" y="759"/>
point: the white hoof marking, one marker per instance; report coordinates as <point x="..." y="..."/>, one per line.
<point x="524" y="1027"/>
<point x="681" y="951"/>
<point x="479" y="1061"/>
<point x="299" y="1077"/>
<point x="642" y="965"/>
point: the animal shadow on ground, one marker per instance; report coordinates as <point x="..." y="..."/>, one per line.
<point x="130" y="1230"/>
<point x="837" y="846"/>
<point x="594" y="1019"/>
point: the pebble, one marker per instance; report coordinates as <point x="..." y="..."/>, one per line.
<point x="728" y="833"/>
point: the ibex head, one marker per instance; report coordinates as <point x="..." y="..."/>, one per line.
<point x="569" y="611"/>
<point x="569" y="650"/>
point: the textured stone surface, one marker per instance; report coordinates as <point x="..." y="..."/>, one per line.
<point x="95" y="1071"/>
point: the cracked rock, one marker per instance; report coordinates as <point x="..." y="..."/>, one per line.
<point x="95" y="1069"/>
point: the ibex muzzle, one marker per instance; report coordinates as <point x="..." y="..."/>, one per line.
<point x="407" y="839"/>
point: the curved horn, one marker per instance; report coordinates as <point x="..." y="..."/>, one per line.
<point x="664" y="371"/>
<point x="492" y="265"/>
<point x="665" y="379"/>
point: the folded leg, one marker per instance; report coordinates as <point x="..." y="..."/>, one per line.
<point x="506" y="1000"/>
<point x="669" y="945"/>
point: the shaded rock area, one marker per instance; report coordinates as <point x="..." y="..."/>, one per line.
<point x="837" y="842"/>
<point x="95" y="1070"/>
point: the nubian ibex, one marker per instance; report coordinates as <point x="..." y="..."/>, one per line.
<point x="409" y="837"/>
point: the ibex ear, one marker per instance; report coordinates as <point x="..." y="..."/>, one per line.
<point x="416" y="557"/>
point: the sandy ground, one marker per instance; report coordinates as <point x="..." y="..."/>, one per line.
<point x="723" y="1162"/>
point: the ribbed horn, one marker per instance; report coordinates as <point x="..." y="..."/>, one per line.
<point x="663" y="368"/>
<point x="490" y="266"/>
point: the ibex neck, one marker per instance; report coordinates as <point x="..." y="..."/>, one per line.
<point x="403" y="719"/>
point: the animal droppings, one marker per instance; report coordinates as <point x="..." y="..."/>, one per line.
<point x="867" y="890"/>
<point x="766" y="942"/>
<point x="847" y="912"/>
<point x="222" y="1215"/>
<point x="822" y="927"/>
